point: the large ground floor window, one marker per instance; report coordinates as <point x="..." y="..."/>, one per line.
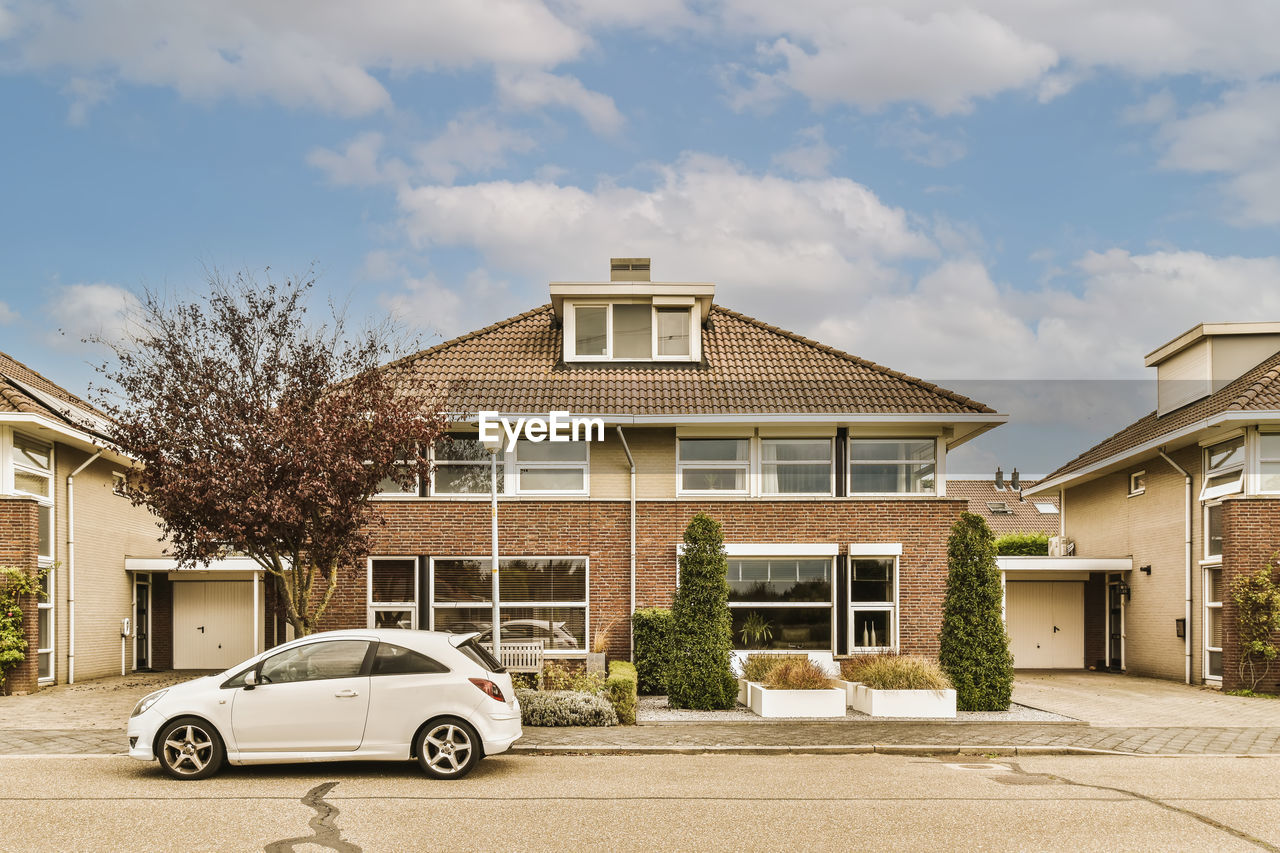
<point x="539" y="598"/>
<point x="873" y="623"/>
<point x="781" y="602"/>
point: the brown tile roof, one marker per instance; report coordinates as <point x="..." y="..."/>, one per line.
<point x="1257" y="389"/>
<point x="1023" y="517"/>
<point x="24" y="391"/>
<point x="748" y="367"/>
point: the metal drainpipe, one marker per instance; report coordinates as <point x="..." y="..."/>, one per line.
<point x="631" y="636"/>
<point x="71" y="568"/>
<point x="1187" y="586"/>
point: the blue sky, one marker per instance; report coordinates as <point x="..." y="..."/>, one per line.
<point x="981" y="190"/>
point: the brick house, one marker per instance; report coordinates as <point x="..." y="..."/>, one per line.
<point x="1004" y="506"/>
<point x="59" y="512"/>
<point x="828" y="473"/>
<point x="1191" y="494"/>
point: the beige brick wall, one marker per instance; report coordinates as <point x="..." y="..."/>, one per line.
<point x="654" y="451"/>
<point x="1105" y="522"/>
<point x="107" y="530"/>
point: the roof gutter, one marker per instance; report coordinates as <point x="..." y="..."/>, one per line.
<point x="631" y="635"/>
<point x="71" y="567"/>
<point x="1186" y="634"/>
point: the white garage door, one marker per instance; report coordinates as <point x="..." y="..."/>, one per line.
<point x="1045" y="620"/>
<point x="212" y="624"/>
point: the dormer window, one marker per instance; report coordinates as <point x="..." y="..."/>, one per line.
<point x="629" y="331"/>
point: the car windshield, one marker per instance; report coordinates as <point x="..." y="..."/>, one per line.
<point x="480" y="655"/>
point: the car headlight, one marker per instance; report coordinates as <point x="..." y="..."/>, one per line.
<point x="147" y="701"/>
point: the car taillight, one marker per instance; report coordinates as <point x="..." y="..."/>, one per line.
<point x="490" y="689"/>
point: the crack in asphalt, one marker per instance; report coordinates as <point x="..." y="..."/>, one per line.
<point x="1155" y="801"/>
<point x="323" y="825"/>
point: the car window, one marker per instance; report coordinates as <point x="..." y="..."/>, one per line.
<point x="394" y="660"/>
<point x="315" y="661"/>
<point x="480" y="655"/>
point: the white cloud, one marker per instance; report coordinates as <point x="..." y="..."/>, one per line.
<point x="319" y="54"/>
<point x="470" y="143"/>
<point x="428" y="304"/>
<point x="531" y="90"/>
<point x="81" y="311"/>
<point x="810" y="157"/>
<point x="7" y="314"/>
<point x="946" y="53"/>
<point x="913" y="142"/>
<point x="360" y="163"/>
<point x="1237" y="137"/>
<point x="704" y="218"/>
<point x="85" y="93"/>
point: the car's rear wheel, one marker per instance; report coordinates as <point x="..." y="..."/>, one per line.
<point x="447" y="748"/>
<point x="190" y="748"/>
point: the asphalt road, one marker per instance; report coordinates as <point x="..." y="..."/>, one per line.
<point x="663" y="802"/>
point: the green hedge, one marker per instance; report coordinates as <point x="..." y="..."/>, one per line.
<point x="564" y="708"/>
<point x="1023" y="545"/>
<point x="655" y="641"/>
<point x="620" y="690"/>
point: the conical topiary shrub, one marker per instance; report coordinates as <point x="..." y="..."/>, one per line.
<point x="974" y="646"/>
<point x="699" y="676"/>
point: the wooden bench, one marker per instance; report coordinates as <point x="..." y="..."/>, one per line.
<point x="523" y="656"/>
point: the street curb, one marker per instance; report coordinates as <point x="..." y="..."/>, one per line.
<point x="826" y="749"/>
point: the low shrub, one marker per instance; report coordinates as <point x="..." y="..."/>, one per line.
<point x="564" y="708"/>
<point x="558" y="677"/>
<point x="797" y="673"/>
<point x="758" y="667"/>
<point x="620" y="690"/>
<point x="1023" y="545"/>
<point x="851" y="668"/>
<point x="654" y="636"/>
<point x="901" y="672"/>
<point x="524" y="680"/>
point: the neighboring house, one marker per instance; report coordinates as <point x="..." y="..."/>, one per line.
<point x="1191" y="494"/>
<point x="828" y="473"/>
<point x="1004" y="506"/>
<point x="59" y="510"/>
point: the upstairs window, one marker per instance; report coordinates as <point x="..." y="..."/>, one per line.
<point x="892" y="466"/>
<point x="551" y="466"/>
<point x="630" y="331"/>
<point x="1269" y="451"/>
<point x="462" y="467"/>
<point x="33" y="476"/>
<point x="714" y="465"/>
<point x="1224" y="469"/>
<point x="795" y="466"/>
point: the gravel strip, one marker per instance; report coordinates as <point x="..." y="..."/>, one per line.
<point x="653" y="709"/>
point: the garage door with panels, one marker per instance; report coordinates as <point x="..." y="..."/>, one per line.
<point x="1045" y="620"/>
<point x="213" y="623"/>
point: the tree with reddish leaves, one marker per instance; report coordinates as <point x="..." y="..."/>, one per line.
<point x="259" y="433"/>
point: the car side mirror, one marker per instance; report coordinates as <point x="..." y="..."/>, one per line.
<point x="250" y="679"/>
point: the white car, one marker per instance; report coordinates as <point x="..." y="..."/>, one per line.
<point x="353" y="695"/>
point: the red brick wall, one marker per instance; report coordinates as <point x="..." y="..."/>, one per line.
<point x="161" y="621"/>
<point x="599" y="530"/>
<point x="1095" y="620"/>
<point x="1250" y="540"/>
<point x="19" y="528"/>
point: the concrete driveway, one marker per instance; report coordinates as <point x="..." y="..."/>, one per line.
<point x="1109" y="699"/>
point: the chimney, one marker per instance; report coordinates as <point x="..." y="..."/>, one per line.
<point x="1015" y="482"/>
<point x="628" y="269"/>
<point x="999" y="479"/>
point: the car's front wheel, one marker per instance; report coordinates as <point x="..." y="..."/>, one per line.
<point x="447" y="748"/>
<point x="190" y="748"/>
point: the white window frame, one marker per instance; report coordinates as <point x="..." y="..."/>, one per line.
<point x="934" y="460"/>
<point x="1208" y="606"/>
<point x="1204" y="518"/>
<point x="1231" y="487"/>
<point x="417" y="486"/>
<point x="46" y="501"/>
<point x="1264" y="460"/>
<point x="373" y="607"/>
<point x="1134" y="488"/>
<point x="585" y="603"/>
<point x="745" y="465"/>
<point x="45" y="605"/>
<point x="584" y="465"/>
<point x="831" y="464"/>
<point x="779" y="552"/>
<point x="571" y="331"/>
<point x="860" y="552"/>
<point x="484" y="463"/>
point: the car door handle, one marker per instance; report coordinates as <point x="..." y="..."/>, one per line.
<point x="346" y="694"/>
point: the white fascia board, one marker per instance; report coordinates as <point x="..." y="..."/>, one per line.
<point x="52" y="425"/>
<point x="834" y="419"/>
<point x="1154" y="445"/>
<point x="875" y="549"/>
<point x="1064" y="564"/>
<point x="169" y="564"/>
<point x="777" y="549"/>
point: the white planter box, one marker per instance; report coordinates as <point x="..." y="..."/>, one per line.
<point x="795" y="703"/>
<point x="742" y="691"/>
<point x="933" y="704"/>
<point x="850" y="689"/>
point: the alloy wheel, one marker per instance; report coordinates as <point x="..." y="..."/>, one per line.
<point x="188" y="750"/>
<point x="448" y="749"/>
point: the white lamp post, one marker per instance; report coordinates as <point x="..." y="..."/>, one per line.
<point x="494" y="446"/>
